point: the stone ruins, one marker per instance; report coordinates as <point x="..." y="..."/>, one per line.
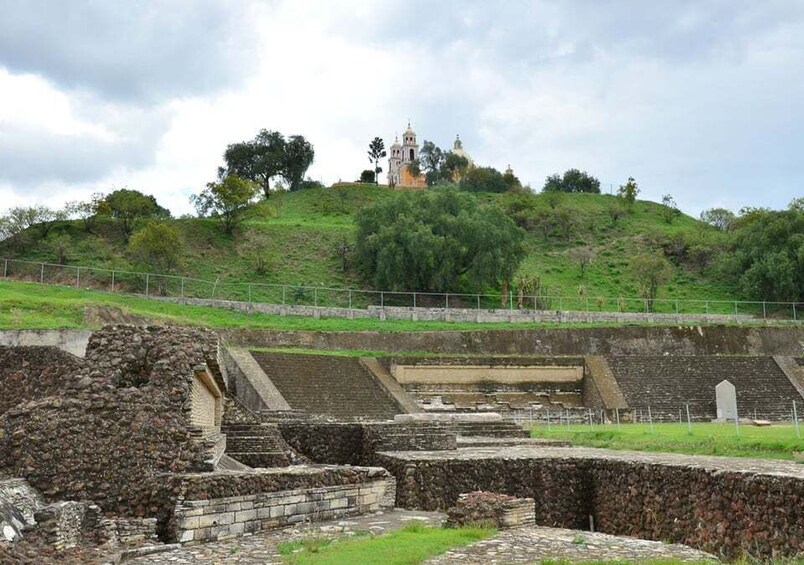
<point x="152" y="438"/>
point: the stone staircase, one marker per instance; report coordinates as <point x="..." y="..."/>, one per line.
<point x="338" y="387"/>
<point x="257" y="445"/>
<point x="666" y="383"/>
<point x="500" y="429"/>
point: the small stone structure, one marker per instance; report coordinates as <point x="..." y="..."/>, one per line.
<point x="491" y="509"/>
<point x="222" y="517"/>
<point x="726" y="399"/>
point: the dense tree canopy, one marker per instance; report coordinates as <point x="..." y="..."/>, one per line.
<point x="127" y="206"/>
<point x="439" y="240"/>
<point x="269" y="155"/>
<point x="483" y="179"/>
<point x="769" y="254"/>
<point x="574" y="180"/>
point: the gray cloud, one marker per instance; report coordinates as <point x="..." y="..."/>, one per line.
<point x="130" y="51"/>
<point x="31" y="156"/>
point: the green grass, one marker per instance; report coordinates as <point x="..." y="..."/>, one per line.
<point x="412" y="544"/>
<point x="778" y="441"/>
<point x="26" y="305"/>
<point x="301" y="232"/>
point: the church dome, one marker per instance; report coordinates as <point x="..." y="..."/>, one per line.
<point x="409" y="132"/>
<point x="457" y="149"/>
<point x="396" y="143"/>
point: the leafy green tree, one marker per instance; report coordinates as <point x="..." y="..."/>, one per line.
<point x="367" y="176"/>
<point x="629" y="192"/>
<point x="298" y="157"/>
<point x="454" y="167"/>
<point x="226" y="200"/>
<point x="574" y="180"/>
<point x="432" y="160"/>
<point x="769" y="254"/>
<point x="483" y="179"/>
<point x="719" y="218"/>
<point x="438" y="240"/>
<point x="376" y="151"/>
<point x="128" y="206"/>
<point x="415" y="167"/>
<point x="258" y="160"/>
<point x="158" y="245"/>
<point x="651" y="271"/>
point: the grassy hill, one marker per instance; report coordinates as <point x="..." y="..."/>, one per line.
<point x="297" y="235"/>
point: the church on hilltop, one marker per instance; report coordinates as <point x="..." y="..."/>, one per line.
<point x="403" y="156"/>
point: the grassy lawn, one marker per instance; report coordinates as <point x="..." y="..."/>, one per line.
<point x="26" y="305"/>
<point x="409" y="545"/>
<point x="772" y="442"/>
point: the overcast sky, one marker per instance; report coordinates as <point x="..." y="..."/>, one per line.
<point x="702" y="99"/>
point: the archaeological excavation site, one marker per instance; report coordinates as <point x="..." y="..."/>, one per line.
<point x="138" y="443"/>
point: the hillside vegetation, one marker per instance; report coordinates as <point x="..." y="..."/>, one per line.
<point x="306" y="237"/>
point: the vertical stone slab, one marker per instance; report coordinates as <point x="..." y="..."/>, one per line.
<point x="726" y="398"/>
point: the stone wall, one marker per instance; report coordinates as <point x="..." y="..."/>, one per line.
<point x="340" y="443"/>
<point x="122" y="425"/>
<point x="731" y="513"/>
<point x="211" y="519"/>
<point x="468" y="314"/>
<point x="31" y="373"/>
<point x="681" y="340"/>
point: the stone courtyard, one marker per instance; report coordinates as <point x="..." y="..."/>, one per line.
<point x="171" y="445"/>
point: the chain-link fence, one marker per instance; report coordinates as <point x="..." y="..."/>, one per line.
<point x="172" y="286"/>
<point x="648" y="419"/>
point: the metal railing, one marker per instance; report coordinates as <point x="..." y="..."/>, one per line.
<point x="174" y="286"/>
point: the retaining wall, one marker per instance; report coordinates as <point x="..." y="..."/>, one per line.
<point x="70" y="341"/>
<point x="682" y="340"/>
<point x="466" y="314"/>
<point x="719" y="509"/>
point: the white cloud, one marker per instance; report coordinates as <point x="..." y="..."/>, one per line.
<point x="700" y="100"/>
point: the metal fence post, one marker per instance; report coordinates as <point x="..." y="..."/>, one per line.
<point x="315" y="297"/>
<point x="794" y="312"/>
<point x="147" y="283"/>
<point x="5" y="270"/>
<point x="414" y="300"/>
<point x="78" y="277"/>
<point x="350" y="299"/>
<point x="447" y="301"/>
<point x="764" y="312"/>
<point x="795" y="419"/>
<point x="283" y="295"/>
<point x="112" y="281"/>
<point x="42" y="274"/>
<point x="478" y="302"/>
<point x="249" y="290"/>
<point x="382" y="299"/>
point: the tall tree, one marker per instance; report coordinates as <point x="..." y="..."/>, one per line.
<point x="431" y="159"/>
<point x="298" y="157"/>
<point x="258" y="160"/>
<point x="376" y="151"/>
<point x="128" y="206"/>
<point x="226" y="200"/>
<point x="720" y="218"/>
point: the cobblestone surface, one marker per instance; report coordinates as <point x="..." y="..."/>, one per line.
<point x="533" y="543"/>
<point x="713" y="463"/>
<point x="261" y="549"/>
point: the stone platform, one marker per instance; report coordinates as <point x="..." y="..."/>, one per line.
<point x="532" y="544"/>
